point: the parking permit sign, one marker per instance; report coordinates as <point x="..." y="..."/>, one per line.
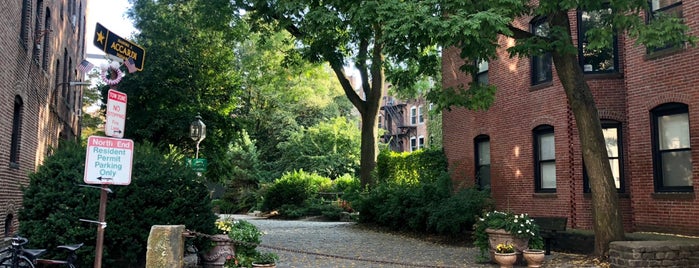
<point x="108" y="161"/>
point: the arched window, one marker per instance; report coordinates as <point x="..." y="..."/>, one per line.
<point x="613" y="141"/>
<point x="544" y="159"/>
<point x="26" y="18"/>
<point x="672" y="151"/>
<point x="482" y="160"/>
<point x="16" y="132"/>
<point x="36" y="39"/>
<point x="8" y="225"/>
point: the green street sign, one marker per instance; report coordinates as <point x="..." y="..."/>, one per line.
<point x="197" y="164"/>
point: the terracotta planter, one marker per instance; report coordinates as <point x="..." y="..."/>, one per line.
<point x="267" y="265"/>
<point x="500" y="236"/>
<point x="222" y="251"/>
<point x="505" y="260"/>
<point x="534" y="257"/>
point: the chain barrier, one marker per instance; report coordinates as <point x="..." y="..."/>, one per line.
<point x="236" y="242"/>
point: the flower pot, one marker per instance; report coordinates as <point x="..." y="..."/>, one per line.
<point x="534" y="257"/>
<point x="267" y="265"/>
<point x="222" y="251"/>
<point x="500" y="236"/>
<point x="505" y="260"/>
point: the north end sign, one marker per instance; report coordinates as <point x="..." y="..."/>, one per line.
<point x="108" y="161"/>
<point x="113" y="44"/>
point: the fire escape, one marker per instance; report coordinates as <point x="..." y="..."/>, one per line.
<point x="397" y="131"/>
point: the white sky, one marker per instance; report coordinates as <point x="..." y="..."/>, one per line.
<point x="112" y="15"/>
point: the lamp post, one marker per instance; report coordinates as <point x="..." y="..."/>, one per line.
<point x="197" y="131"/>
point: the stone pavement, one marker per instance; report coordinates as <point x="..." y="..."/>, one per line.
<point x="343" y="244"/>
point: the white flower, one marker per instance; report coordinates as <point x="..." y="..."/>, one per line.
<point x="521" y="225"/>
<point x="519" y="232"/>
<point x="515" y="220"/>
<point x="516" y="217"/>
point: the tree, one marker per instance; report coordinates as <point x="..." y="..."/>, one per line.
<point x="344" y="33"/>
<point x="188" y="70"/>
<point x="281" y="94"/>
<point x="329" y="149"/>
<point x="474" y="26"/>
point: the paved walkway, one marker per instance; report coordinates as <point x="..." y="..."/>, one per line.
<point x="343" y="244"/>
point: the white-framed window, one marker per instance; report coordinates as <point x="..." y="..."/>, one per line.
<point x="413" y="144"/>
<point x="672" y="151"/>
<point x="420" y="142"/>
<point x="420" y="115"/>
<point x="413" y="115"/>
<point x="544" y="159"/>
<point x="380" y="121"/>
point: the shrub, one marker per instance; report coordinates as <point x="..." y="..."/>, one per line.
<point x="246" y="237"/>
<point x="162" y="191"/>
<point x="414" y="193"/>
<point x="294" y="188"/>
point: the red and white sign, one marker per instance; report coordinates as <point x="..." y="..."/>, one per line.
<point x="108" y="161"/>
<point x="116" y="114"/>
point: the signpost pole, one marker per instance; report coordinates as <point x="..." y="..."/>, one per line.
<point x="101" y="226"/>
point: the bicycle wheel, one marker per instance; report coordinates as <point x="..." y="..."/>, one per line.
<point x="23" y="262"/>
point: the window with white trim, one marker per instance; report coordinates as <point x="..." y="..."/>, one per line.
<point x="420" y="115"/>
<point x="413" y="115"/>
<point x="421" y="142"/>
<point x="482" y="73"/>
<point x="413" y="144"/>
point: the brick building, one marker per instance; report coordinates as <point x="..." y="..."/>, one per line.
<point x="527" y="150"/>
<point x="404" y="123"/>
<point x="43" y="42"/>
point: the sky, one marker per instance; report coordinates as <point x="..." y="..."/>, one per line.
<point x="112" y="15"/>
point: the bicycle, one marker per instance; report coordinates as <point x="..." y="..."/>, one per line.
<point x="19" y="257"/>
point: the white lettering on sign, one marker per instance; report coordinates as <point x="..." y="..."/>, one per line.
<point x="108" y="161"/>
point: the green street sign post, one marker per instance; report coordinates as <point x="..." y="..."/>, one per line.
<point x="113" y="44"/>
<point x="197" y="164"/>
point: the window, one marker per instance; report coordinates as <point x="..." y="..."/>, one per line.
<point x="8" y="225"/>
<point x="420" y="142"/>
<point x="544" y="159"/>
<point x="16" y="132"/>
<point x="45" y="49"/>
<point x="38" y="33"/>
<point x="26" y="18"/>
<point x="420" y="115"/>
<point x="541" y="64"/>
<point x="612" y="138"/>
<point x="380" y="121"/>
<point x="413" y="144"/>
<point x="666" y="7"/>
<point x="413" y="115"/>
<point x="597" y="60"/>
<point x="482" y="150"/>
<point x="482" y="74"/>
<point x="672" y="153"/>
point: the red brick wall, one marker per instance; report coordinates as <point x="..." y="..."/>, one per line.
<point x="22" y="76"/>
<point x="627" y="98"/>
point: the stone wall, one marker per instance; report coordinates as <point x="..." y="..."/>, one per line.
<point x="654" y="254"/>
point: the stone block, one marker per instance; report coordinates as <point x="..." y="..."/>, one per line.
<point x="165" y="247"/>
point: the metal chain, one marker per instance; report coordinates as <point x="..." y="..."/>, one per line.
<point x="236" y="242"/>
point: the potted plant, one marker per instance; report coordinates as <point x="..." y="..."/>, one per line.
<point x="265" y="259"/>
<point x="497" y="227"/>
<point x="222" y="248"/>
<point x="505" y="255"/>
<point x="534" y="257"/>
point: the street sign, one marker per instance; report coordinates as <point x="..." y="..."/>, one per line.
<point x="108" y="161"/>
<point x="116" y="114"/>
<point x="197" y="164"/>
<point x="113" y="44"/>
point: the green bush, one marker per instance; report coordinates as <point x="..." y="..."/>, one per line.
<point x="415" y="193"/>
<point x="162" y="191"/>
<point x="246" y="237"/>
<point x="294" y="188"/>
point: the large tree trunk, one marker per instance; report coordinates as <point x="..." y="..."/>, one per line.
<point x="607" y="219"/>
